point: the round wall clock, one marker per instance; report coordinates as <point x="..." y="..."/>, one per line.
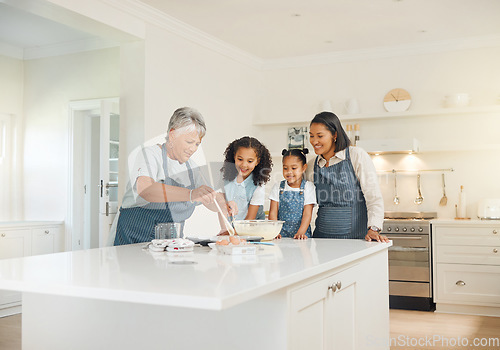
<point x="397" y="100"/>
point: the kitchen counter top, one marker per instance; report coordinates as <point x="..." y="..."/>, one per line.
<point x="462" y="222"/>
<point x="203" y="279"/>
<point x="28" y="223"/>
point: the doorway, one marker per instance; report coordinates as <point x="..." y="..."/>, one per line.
<point x="93" y="193"/>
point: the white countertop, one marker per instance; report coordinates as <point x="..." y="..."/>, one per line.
<point x="465" y="222"/>
<point x="214" y="281"/>
<point x="16" y="224"/>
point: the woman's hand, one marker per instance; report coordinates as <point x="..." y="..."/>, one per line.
<point x="203" y="194"/>
<point x="232" y="208"/>
<point x="300" y="236"/>
<point x="375" y="236"/>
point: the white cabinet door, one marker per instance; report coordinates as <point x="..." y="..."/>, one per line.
<point x="343" y="311"/>
<point x="15" y="243"/>
<point x="322" y="315"/>
<point x="45" y="240"/>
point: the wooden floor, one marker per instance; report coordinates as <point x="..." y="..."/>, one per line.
<point x="421" y="330"/>
<point x="410" y="330"/>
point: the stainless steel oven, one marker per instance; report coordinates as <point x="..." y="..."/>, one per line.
<point x="410" y="266"/>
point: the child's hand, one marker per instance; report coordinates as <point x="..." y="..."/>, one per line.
<point x="232" y="208"/>
<point x="299" y="236"/>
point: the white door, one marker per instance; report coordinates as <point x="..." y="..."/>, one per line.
<point x="93" y="172"/>
<point x="108" y="167"/>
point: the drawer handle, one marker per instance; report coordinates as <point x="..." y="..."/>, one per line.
<point x="3" y="234"/>
<point x="460" y="283"/>
<point x="495" y="232"/>
<point x="339" y="285"/>
<point x="332" y="287"/>
<point x="495" y="250"/>
<point x="47" y="232"/>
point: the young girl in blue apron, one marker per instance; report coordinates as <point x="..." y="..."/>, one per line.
<point x="347" y="189"/>
<point x="293" y="199"/>
<point x="247" y="168"/>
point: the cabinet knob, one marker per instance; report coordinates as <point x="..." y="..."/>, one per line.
<point x="3" y="234"/>
<point x="460" y="283"/>
<point x="495" y="250"/>
<point x="47" y="232"/>
<point x="332" y="287"/>
<point x="339" y="285"/>
<point x="495" y="232"/>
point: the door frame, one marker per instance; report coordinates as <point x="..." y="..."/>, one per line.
<point x="75" y="200"/>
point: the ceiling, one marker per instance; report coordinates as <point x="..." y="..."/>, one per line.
<point x="287" y="28"/>
<point x="25" y="30"/>
<point x="290" y="28"/>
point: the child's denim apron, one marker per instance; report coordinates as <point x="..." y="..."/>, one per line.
<point x="290" y="209"/>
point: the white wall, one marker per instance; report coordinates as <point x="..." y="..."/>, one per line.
<point x="50" y="84"/>
<point x="11" y="103"/>
<point x="295" y="95"/>
<point x="181" y="73"/>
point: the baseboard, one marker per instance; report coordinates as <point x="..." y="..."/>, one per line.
<point x="468" y="309"/>
<point x="9" y="310"/>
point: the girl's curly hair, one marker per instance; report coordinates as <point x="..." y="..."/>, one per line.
<point x="261" y="173"/>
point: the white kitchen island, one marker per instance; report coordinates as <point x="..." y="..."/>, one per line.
<point x="314" y="294"/>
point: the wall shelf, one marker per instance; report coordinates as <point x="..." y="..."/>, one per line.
<point x="387" y="115"/>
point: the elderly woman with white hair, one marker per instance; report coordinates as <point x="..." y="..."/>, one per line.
<point x="165" y="184"/>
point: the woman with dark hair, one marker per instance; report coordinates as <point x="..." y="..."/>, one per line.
<point x="247" y="167"/>
<point x="347" y="190"/>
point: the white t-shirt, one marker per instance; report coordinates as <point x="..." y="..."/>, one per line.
<point x="149" y="162"/>
<point x="309" y="192"/>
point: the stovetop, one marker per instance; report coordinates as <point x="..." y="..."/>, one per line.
<point x="410" y="215"/>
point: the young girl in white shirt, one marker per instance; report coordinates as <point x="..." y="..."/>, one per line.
<point x="247" y="168"/>
<point x="293" y="199"/>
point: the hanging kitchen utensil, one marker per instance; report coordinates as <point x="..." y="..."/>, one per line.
<point x="396" y="198"/>
<point x="444" y="199"/>
<point x="419" y="198"/>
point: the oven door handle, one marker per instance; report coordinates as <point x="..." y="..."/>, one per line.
<point x="418" y="238"/>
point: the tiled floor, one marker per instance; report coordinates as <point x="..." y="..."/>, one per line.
<point x="410" y="330"/>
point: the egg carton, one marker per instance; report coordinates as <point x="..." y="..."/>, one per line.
<point x="240" y="249"/>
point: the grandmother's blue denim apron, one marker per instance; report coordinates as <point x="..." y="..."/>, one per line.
<point x="290" y="210"/>
<point x="342" y="207"/>
<point x="137" y="224"/>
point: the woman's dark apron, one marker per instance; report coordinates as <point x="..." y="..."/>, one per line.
<point x="342" y="207"/>
<point x="290" y="210"/>
<point x="137" y="224"/>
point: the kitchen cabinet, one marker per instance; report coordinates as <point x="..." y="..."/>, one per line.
<point x="314" y="311"/>
<point x="281" y="298"/>
<point x="14" y="243"/>
<point x="338" y="312"/>
<point x="46" y="240"/>
<point x="467" y="267"/>
<point x="20" y="239"/>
